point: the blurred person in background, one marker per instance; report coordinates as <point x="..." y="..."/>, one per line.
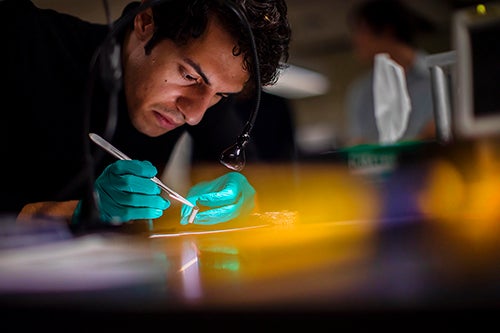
<point x="388" y="26"/>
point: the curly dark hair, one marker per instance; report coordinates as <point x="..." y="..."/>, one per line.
<point x="181" y="20"/>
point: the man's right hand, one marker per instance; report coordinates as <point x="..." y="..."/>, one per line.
<point x="126" y="192"/>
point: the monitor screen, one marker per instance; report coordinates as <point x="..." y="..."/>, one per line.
<point x="477" y="87"/>
<point x="485" y="52"/>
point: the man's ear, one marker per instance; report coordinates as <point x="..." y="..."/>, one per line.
<point x="144" y="25"/>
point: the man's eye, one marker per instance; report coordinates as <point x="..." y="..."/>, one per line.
<point x="190" y="77"/>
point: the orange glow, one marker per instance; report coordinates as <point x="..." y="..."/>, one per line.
<point x="469" y="206"/>
<point x="445" y="194"/>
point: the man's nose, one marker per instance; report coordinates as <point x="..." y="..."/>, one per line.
<point x="194" y="106"/>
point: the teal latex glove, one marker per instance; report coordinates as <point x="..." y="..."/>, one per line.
<point x="126" y="192"/>
<point x="226" y="198"/>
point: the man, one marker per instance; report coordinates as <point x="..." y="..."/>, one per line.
<point x="178" y="58"/>
<point x="388" y="26"/>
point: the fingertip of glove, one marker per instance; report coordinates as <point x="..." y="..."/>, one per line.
<point x="166" y="204"/>
<point x="156" y="213"/>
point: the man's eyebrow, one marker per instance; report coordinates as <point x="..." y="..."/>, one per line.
<point x="204" y="77"/>
<point x="198" y="70"/>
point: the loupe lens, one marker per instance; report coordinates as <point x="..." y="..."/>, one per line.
<point x="234" y="157"/>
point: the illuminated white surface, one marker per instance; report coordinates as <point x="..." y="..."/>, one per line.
<point x="298" y="82"/>
<point x="86" y="263"/>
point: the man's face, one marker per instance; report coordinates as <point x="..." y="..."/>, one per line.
<point x="174" y="85"/>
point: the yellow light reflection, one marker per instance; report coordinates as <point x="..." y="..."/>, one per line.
<point x="309" y="218"/>
<point x="252" y="261"/>
<point x="481" y="9"/>
<point x="445" y="194"/>
<point x="469" y="205"/>
<point x="323" y="192"/>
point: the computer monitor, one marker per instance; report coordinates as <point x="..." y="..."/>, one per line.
<point x="476" y="38"/>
